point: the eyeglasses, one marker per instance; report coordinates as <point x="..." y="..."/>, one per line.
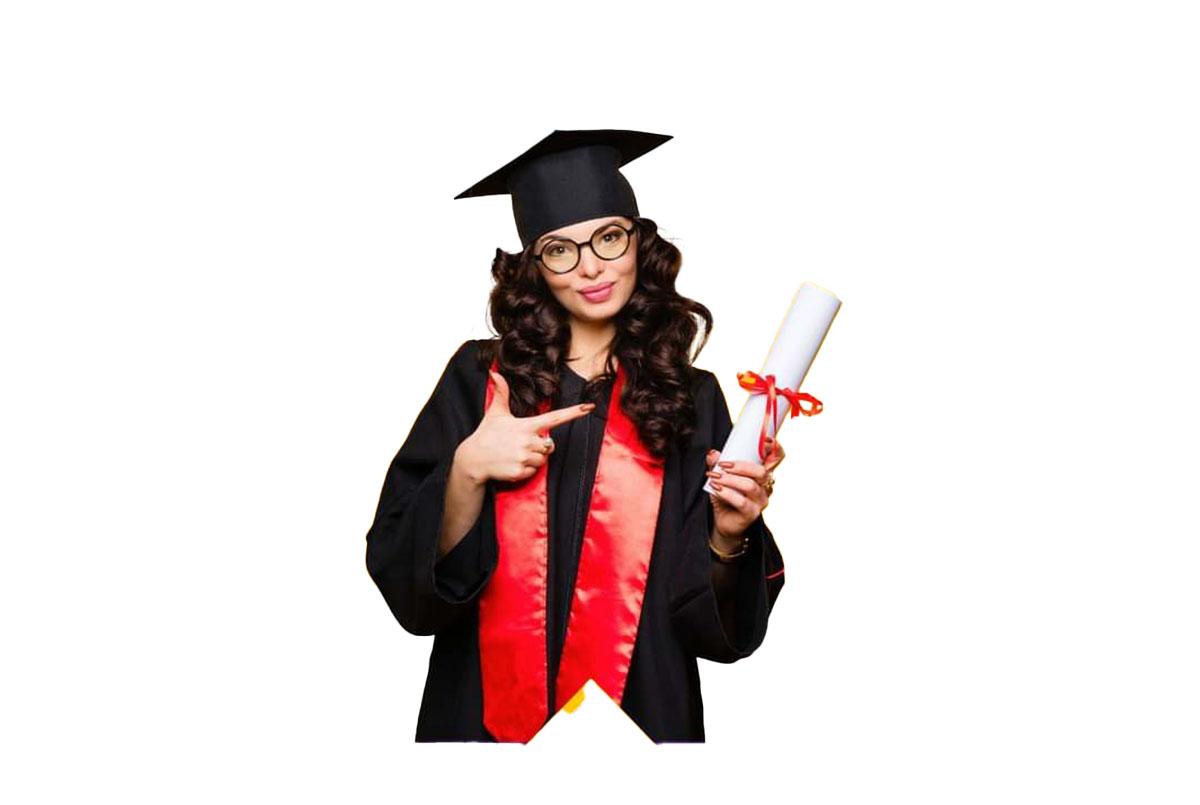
<point x="561" y="255"/>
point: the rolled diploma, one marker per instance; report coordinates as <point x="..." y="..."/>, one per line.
<point x="796" y="344"/>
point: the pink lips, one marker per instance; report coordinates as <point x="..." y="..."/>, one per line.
<point x="598" y="295"/>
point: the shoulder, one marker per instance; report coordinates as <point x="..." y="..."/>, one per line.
<point x="709" y="407"/>
<point x="704" y="384"/>
<point x="472" y="357"/>
<point x="465" y="370"/>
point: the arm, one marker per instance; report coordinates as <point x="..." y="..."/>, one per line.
<point x="720" y="611"/>
<point x="465" y="491"/>
<point x="431" y="548"/>
<point x="724" y="579"/>
<point x="460" y="564"/>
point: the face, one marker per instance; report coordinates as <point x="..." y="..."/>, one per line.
<point x="613" y="280"/>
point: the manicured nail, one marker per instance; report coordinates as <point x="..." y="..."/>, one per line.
<point x="714" y="474"/>
<point x="716" y="485"/>
<point x="726" y="464"/>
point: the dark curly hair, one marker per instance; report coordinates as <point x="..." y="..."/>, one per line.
<point x="655" y="331"/>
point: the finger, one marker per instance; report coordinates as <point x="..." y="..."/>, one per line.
<point x="736" y="500"/>
<point x="749" y="487"/>
<point x="526" y="468"/>
<point x="499" y="405"/>
<point x="519" y="471"/>
<point x="711" y="458"/>
<point x="751" y="469"/>
<point x="539" y="443"/>
<point x="534" y="458"/>
<point x="552" y="419"/>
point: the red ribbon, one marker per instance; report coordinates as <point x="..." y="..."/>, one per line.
<point x="758" y="384"/>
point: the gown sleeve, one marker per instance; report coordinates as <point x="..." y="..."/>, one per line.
<point x="425" y="593"/>
<point x="695" y="603"/>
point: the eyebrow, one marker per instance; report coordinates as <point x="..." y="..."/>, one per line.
<point x="543" y="238"/>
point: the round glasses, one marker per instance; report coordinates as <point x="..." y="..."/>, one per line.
<point x="561" y="255"/>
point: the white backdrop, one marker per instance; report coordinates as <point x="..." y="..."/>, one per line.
<point x="233" y="269"/>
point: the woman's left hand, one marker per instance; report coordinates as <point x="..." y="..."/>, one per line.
<point x="743" y="490"/>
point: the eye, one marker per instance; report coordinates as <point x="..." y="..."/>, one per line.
<point x="555" y="250"/>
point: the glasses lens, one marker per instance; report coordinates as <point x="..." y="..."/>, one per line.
<point x="560" y="255"/>
<point x="610" y="242"/>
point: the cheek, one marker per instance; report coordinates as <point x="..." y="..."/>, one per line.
<point x="629" y="272"/>
<point x="560" y="289"/>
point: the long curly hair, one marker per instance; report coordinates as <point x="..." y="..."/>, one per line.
<point x="655" y="331"/>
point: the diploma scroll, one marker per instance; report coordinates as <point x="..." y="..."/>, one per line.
<point x="795" y="347"/>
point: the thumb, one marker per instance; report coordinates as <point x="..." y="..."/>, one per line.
<point x="711" y="458"/>
<point x="499" y="404"/>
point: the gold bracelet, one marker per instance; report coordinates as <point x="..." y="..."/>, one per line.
<point x="729" y="558"/>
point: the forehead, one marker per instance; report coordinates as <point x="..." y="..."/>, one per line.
<point x="584" y="229"/>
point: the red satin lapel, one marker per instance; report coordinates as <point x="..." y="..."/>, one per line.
<point x="512" y="610"/>
<point x="609" y="588"/>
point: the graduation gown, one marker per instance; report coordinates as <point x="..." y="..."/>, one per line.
<point x="685" y="615"/>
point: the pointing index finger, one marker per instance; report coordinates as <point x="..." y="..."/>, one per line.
<point x="552" y="419"/>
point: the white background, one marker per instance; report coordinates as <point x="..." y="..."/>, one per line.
<point x="233" y="269"/>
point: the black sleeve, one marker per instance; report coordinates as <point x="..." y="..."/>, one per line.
<point x="695" y="612"/>
<point x="426" y="593"/>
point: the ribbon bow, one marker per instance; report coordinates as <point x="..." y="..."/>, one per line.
<point x="758" y="384"/>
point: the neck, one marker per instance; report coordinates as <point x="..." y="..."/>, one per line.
<point x="589" y="346"/>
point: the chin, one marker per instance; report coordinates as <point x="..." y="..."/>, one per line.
<point x="603" y="311"/>
<point x="596" y="313"/>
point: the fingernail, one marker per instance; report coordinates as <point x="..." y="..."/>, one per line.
<point x="716" y="485"/>
<point x="714" y="474"/>
<point x="726" y="464"/>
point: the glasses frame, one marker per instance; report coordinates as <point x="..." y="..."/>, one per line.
<point x="629" y="233"/>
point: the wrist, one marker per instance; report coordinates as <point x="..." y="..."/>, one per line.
<point x="725" y="548"/>
<point x="727" y="543"/>
<point x="465" y="466"/>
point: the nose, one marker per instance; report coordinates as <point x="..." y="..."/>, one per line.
<point x="590" y="265"/>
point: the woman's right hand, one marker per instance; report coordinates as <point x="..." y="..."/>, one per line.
<point x="510" y="448"/>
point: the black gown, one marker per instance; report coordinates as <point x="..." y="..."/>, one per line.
<point x="681" y="617"/>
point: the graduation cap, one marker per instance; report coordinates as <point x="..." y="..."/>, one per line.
<point x="568" y="177"/>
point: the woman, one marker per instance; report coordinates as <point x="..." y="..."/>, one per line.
<point x="545" y="519"/>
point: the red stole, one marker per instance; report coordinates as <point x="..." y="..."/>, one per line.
<point x="609" y="586"/>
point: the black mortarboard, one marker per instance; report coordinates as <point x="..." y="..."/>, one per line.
<point x="568" y="177"/>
